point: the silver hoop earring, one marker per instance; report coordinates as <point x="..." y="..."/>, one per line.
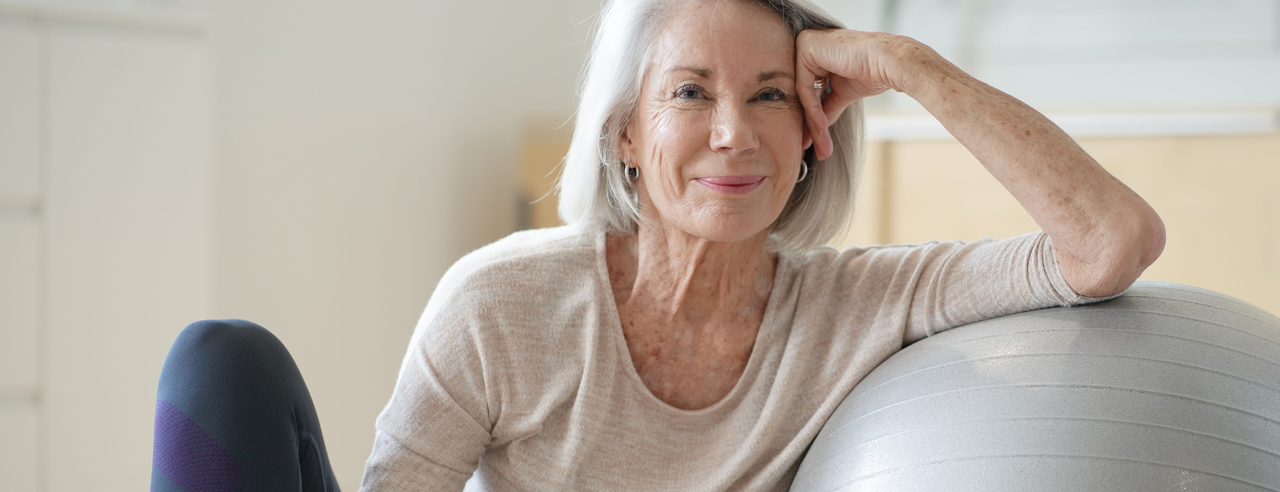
<point x="631" y="173"/>
<point x="804" y="171"/>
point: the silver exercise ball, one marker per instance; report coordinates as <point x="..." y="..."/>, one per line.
<point x="1165" y="388"/>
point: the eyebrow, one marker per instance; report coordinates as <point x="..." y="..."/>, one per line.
<point x="701" y="72"/>
<point x="773" y="75"/>
<point x="706" y="73"/>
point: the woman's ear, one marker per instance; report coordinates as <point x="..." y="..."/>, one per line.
<point x="625" y="146"/>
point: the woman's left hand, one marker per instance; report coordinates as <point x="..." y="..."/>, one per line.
<point x="1104" y="235"/>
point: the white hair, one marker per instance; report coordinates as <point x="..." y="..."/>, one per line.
<point x="592" y="187"/>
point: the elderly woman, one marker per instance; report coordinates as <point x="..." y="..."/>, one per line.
<point x="687" y="330"/>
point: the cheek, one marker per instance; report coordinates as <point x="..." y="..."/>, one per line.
<point x="672" y="137"/>
<point x="782" y="132"/>
<point x="670" y="128"/>
<point x="789" y="123"/>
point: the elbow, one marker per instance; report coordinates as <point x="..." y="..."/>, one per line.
<point x="1130" y="249"/>
<point x="1152" y="242"/>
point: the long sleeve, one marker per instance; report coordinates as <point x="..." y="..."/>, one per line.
<point x="985" y="279"/>
<point x="926" y="288"/>
<point x="434" y="429"/>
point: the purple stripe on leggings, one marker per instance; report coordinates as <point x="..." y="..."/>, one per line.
<point x="189" y="457"/>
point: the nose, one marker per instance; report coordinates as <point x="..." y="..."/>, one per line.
<point x="732" y="131"/>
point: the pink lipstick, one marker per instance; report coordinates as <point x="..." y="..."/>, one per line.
<point x="733" y="185"/>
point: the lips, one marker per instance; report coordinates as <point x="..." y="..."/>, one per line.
<point x="734" y="185"/>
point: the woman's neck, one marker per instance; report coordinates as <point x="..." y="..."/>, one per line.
<point x="690" y="309"/>
<point x="687" y="279"/>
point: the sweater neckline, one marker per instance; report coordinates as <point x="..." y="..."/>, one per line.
<point x="614" y="328"/>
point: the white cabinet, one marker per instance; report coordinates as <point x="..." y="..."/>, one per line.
<point x="19" y="284"/>
<point x="19" y="463"/>
<point x="19" y="224"/>
<point x="19" y="111"/>
<point x="19" y="253"/>
<point x="105" y="216"/>
<point x="128" y="223"/>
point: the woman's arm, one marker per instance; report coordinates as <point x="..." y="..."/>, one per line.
<point x="1104" y="235"/>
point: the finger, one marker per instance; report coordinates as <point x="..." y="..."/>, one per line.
<point x="834" y="104"/>
<point x="810" y="99"/>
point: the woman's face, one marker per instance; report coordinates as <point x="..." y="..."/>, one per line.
<point x="718" y="130"/>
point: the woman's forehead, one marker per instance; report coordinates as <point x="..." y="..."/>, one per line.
<point x="723" y="38"/>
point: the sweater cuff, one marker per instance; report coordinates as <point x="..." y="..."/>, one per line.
<point x="1065" y="294"/>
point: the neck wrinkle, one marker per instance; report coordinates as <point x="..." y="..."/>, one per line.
<point x="695" y="279"/>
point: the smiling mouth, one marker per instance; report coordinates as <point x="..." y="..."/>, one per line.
<point x="733" y="185"/>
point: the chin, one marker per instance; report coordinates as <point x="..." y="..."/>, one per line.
<point x="718" y="221"/>
<point x="729" y="229"/>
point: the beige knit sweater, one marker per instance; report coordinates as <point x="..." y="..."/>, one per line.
<point x="519" y="371"/>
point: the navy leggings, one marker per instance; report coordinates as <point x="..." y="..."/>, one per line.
<point x="233" y="414"/>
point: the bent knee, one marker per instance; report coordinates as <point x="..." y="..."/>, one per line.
<point x="227" y="339"/>
<point x="229" y="329"/>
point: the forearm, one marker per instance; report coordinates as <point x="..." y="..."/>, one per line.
<point x="1104" y="234"/>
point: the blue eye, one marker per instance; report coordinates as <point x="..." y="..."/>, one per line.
<point x="773" y="94"/>
<point x="688" y="92"/>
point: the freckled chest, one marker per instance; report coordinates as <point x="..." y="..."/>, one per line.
<point x="688" y="365"/>
<point x="690" y="359"/>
